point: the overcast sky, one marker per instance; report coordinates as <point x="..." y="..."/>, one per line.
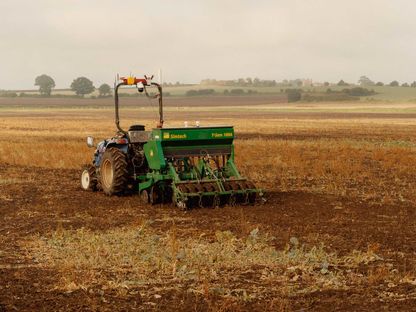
<point x="325" y="40"/>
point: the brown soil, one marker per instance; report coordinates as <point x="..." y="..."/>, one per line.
<point x="41" y="200"/>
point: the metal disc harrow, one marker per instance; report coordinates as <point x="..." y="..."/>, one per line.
<point x="192" y="194"/>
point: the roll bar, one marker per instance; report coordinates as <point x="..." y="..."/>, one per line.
<point x="146" y="82"/>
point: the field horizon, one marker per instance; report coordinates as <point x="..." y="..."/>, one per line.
<point x="385" y="93"/>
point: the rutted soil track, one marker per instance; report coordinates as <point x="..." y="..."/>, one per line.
<point x="35" y="200"/>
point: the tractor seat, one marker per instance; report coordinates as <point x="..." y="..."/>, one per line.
<point x="136" y="128"/>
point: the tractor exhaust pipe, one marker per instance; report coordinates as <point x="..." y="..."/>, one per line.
<point x="116" y="107"/>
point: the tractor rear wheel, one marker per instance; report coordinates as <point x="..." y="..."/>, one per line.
<point x="113" y="172"/>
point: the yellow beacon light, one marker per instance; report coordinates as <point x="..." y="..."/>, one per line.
<point x="131" y="80"/>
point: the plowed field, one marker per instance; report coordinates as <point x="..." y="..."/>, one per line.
<point x="337" y="232"/>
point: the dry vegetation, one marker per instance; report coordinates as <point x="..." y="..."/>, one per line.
<point x="373" y="159"/>
<point x="370" y="161"/>
<point x="110" y="260"/>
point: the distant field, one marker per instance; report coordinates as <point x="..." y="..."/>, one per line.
<point x="384" y="93"/>
<point x="249" y="106"/>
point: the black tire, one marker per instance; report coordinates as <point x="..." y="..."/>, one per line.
<point x="113" y="172"/>
<point x="89" y="181"/>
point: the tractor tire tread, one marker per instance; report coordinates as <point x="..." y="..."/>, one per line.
<point x="93" y="177"/>
<point x="120" y="174"/>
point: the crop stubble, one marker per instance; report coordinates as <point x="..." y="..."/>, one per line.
<point x="339" y="187"/>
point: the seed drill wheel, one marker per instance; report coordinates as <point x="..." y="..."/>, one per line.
<point x="251" y="196"/>
<point x="113" y="170"/>
<point x="89" y="180"/>
<point x="144" y="196"/>
<point x="155" y="195"/>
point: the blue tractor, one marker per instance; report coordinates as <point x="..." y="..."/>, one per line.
<point x="119" y="160"/>
<point x="190" y="166"/>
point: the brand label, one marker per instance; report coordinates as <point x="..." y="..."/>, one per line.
<point x="178" y="136"/>
<point x="221" y="135"/>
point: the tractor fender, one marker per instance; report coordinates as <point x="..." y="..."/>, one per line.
<point x="102" y="147"/>
<point x="122" y="147"/>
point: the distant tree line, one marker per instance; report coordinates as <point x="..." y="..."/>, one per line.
<point x="176" y="84"/>
<point x="358" y="91"/>
<point x="293" y="95"/>
<point x="347" y="94"/>
<point x="367" y="82"/>
<point x="81" y="86"/>
<point x="204" y="92"/>
<point x="241" y="82"/>
<point x="200" y="92"/>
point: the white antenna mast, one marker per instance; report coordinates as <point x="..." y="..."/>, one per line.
<point x="160" y="76"/>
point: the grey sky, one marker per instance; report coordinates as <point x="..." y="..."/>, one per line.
<point x="194" y="39"/>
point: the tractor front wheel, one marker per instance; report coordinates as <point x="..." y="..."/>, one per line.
<point x="89" y="179"/>
<point x="113" y="172"/>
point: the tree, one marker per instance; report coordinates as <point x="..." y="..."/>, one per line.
<point x="293" y="95"/>
<point x="413" y="85"/>
<point x="342" y="83"/>
<point x="45" y="84"/>
<point x="379" y="84"/>
<point x="82" y="86"/>
<point x="104" y="90"/>
<point x="365" y="81"/>
<point x="394" y="83"/>
<point x="236" y="91"/>
<point x="358" y="91"/>
<point x="405" y="84"/>
<point x="298" y="83"/>
<point x="241" y="82"/>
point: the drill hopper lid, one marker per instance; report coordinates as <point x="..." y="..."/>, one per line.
<point x="194" y="133"/>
